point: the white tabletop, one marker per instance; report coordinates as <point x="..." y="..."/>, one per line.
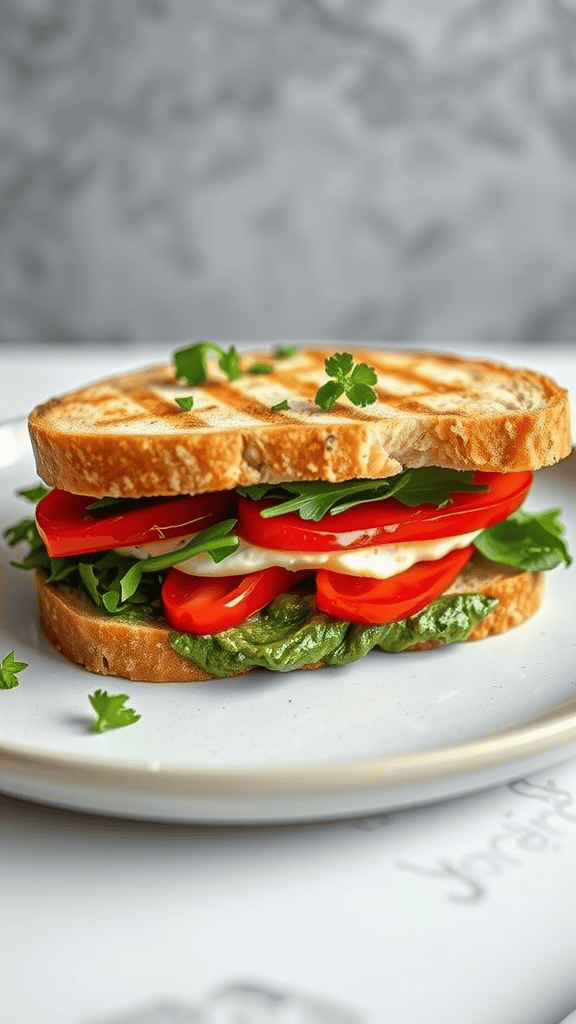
<point x="459" y="911"/>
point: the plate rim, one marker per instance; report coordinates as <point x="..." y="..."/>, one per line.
<point x="551" y="730"/>
<point x="554" y="729"/>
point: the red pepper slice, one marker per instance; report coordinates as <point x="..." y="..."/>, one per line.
<point x="367" y="600"/>
<point x="67" y="528"/>
<point x="386" y="522"/>
<point x="200" y="604"/>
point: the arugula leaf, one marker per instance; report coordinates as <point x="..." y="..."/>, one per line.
<point x="108" y="503"/>
<point x="257" y="368"/>
<point x="286" y="351"/>
<point x="110" y="711"/>
<point x="190" y="363"/>
<point x="37" y="557"/>
<point x="34" y="493"/>
<point x="527" y="540"/>
<point x="434" y="485"/>
<point x="352" y="380"/>
<point x="185" y="403"/>
<point x="317" y="497"/>
<point x="214" y="540"/>
<point x="8" y="671"/>
<point x="281" y="406"/>
<point x="23" y="530"/>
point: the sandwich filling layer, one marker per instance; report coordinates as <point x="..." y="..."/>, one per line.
<point x="370" y="553"/>
<point x="380" y="562"/>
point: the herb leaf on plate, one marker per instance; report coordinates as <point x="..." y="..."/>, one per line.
<point x="9" y="669"/>
<point x="110" y="711"/>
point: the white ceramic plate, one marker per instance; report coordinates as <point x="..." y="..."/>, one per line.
<point x="389" y="731"/>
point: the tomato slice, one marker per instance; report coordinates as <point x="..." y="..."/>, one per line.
<point x="67" y="528"/>
<point x="386" y="522"/>
<point x="198" y="604"/>
<point x="367" y="600"/>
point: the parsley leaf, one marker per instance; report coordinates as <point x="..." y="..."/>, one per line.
<point x="8" y="671"/>
<point x="261" y="368"/>
<point x="285" y="351"/>
<point x="328" y="394"/>
<point x="34" y="493"/>
<point x="281" y="406"/>
<point x="317" y="497"/>
<point x="190" y="363"/>
<point x="110" y="711"/>
<point x="185" y="403"/>
<point x="527" y="540"/>
<point x="353" y="381"/>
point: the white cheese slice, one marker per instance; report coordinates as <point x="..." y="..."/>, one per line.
<point x="380" y="562"/>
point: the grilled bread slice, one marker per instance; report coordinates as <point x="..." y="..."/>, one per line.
<point x="140" y="650"/>
<point x="126" y="437"/>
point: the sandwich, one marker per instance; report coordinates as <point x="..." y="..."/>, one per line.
<point x="290" y="509"/>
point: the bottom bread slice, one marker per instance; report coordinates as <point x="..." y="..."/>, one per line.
<point x="140" y="650"/>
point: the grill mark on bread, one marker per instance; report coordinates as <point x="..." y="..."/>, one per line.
<point x="505" y="420"/>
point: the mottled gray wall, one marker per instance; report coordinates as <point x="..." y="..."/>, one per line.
<point x="288" y="168"/>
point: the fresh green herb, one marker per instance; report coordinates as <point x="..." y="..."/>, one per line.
<point x="26" y="530"/>
<point x="109" y="503"/>
<point x="9" y="669"/>
<point x="109" y="708"/>
<point x="257" y="368"/>
<point x="119" y="584"/>
<point x="292" y="632"/>
<point x="527" y="540"/>
<point x="215" y="541"/>
<point x="34" y="493"/>
<point x="286" y="351"/>
<point x="185" y="403"/>
<point x="190" y="363"/>
<point x="352" y="381"/>
<point x="281" y="406"/>
<point x="315" y="498"/>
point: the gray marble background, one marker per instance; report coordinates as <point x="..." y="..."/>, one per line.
<point x="395" y="169"/>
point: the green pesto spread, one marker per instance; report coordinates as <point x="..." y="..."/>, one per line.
<point x="291" y="632"/>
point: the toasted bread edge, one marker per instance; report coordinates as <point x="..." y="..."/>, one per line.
<point x="140" y="651"/>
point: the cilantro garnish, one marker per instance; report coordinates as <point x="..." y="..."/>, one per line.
<point x="261" y="368"/>
<point x="8" y="671"/>
<point x="281" y="406"/>
<point x="285" y="351"/>
<point x="352" y="381"/>
<point x="190" y="363"/>
<point x="313" y="499"/>
<point x="34" y="494"/>
<point x="185" y="403"/>
<point x="110" y="711"/>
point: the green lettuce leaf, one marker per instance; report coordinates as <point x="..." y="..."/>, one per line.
<point x="527" y="540"/>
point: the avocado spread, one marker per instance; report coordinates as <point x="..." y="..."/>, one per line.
<point x="291" y="632"/>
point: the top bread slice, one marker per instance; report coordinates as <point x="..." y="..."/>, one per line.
<point x="126" y="436"/>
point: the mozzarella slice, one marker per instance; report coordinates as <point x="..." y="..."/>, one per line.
<point x="379" y="562"/>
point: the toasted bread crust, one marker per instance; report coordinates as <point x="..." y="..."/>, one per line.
<point x="140" y="651"/>
<point x="125" y="436"/>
